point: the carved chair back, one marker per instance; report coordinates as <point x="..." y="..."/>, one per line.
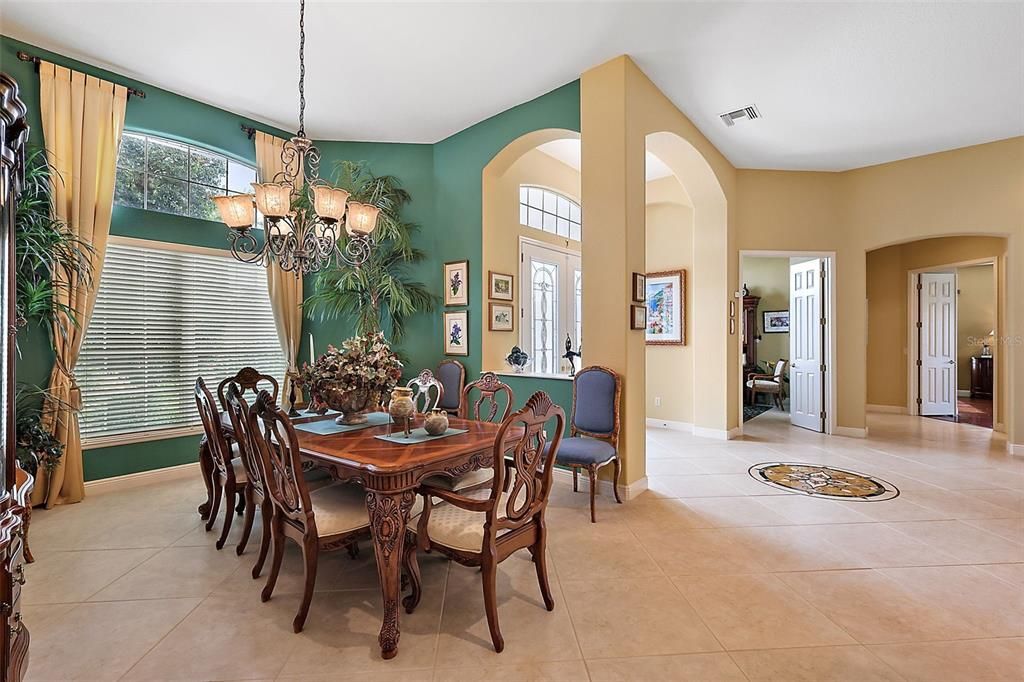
<point x="780" y="368"/>
<point x="220" y="451"/>
<point x="489" y="387"/>
<point x="531" y="465"/>
<point x="248" y="379"/>
<point x="238" y="413"/>
<point x="452" y="375"/>
<point x="422" y="386"/>
<point x="277" y="447"/>
<point x="596" y="396"/>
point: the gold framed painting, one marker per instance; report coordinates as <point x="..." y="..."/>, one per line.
<point x="500" y="286"/>
<point x="666" y="308"/>
<point x="456" y="332"/>
<point x="456" y="283"/>
<point x="501" y="317"/>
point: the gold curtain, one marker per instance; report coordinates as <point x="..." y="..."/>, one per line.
<point x="284" y="287"/>
<point x="83" y="118"/>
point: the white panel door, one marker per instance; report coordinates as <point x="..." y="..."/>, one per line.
<point x="806" y="381"/>
<point x="938" y="343"/>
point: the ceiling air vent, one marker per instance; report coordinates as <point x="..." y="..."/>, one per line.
<point x="750" y="113"/>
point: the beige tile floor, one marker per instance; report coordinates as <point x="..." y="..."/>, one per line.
<point x="707" y="576"/>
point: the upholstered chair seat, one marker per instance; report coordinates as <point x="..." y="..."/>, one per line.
<point x="582" y="451"/>
<point x="457" y="528"/>
<point x="764" y="386"/>
<point x="239" y="467"/>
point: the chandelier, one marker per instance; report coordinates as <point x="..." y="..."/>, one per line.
<point x="303" y="216"/>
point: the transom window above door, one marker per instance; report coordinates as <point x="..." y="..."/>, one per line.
<point x="173" y="177"/>
<point x="551" y="212"/>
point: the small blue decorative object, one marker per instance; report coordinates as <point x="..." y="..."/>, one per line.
<point x="517" y="359"/>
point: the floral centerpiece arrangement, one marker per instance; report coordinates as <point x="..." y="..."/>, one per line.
<point x="352" y="378"/>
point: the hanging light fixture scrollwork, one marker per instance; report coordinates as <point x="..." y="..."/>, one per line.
<point x="307" y="222"/>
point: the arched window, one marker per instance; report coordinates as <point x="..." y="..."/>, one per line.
<point x="550" y="211"/>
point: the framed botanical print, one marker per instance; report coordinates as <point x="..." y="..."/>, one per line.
<point x="637" y="317"/>
<point x="776" y="321"/>
<point x="456" y="283"/>
<point x="501" y="317"/>
<point x="639" y="292"/>
<point x="456" y="333"/>
<point x="666" y="308"/>
<point x="501" y="286"/>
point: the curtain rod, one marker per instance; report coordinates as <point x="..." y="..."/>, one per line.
<point x="26" y="57"/>
<point x="249" y="131"/>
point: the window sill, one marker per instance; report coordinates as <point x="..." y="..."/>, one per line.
<point x="139" y="437"/>
<point x="534" y="375"/>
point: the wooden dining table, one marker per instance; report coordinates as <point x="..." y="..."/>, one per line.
<point x="390" y="473"/>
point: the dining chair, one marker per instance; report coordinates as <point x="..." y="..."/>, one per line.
<point x="593" y="429"/>
<point x="452" y="375"/>
<point x="489" y="387"/>
<point x="772" y="384"/>
<point x="247" y="379"/>
<point x="422" y="385"/>
<point x="322" y="520"/>
<point x="485" y="527"/>
<point x="255" y="492"/>
<point x="228" y="477"/>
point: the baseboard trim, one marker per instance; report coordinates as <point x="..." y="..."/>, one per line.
<point x="717" y="434"/>
<point x="103" y="485"/>
<point x="626" y="492"/>
<point x="1015" y="449"/>
<point x="999" y="427"/>
<point x="963" y="394"/>
<point x="653" y="423"/>
<point x="887" y="409"/>
<point x="850" y="432"/>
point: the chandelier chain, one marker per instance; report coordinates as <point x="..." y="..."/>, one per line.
<point x="302" y="68"/>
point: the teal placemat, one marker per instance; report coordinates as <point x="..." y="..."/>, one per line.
<point x="328" y="426"/>
<point x="417" y="436"/>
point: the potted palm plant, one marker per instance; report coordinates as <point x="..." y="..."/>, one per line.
<point x="379" y="293"/>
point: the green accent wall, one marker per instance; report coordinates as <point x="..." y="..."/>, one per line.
<point x="444" y="179"/>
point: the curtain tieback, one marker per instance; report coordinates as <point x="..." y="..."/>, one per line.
<point x="74" y="399"/>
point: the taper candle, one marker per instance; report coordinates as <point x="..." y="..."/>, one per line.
<point x="312" y="356"/>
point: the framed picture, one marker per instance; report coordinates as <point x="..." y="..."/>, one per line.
<point x="501" y="286"/>
<point x="776" y="322"/>
<point x="666" y="308"/>
<point x="639" y="287"/>
<point x="637" y="317"/>
<point x="456" y="333"/>
<point x="501" y="317"/>
<point x="456" y="283"/>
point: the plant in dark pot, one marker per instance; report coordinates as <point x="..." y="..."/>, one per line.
<point x="35" y="446"/>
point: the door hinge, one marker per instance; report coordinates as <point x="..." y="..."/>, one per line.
<point x="823" y="322"/>
<point x="919" y="325"/>
<point x="919" y="287"/>
<point x="918" y="401"/>
<point x="918" y="363"/>
<point x="823" y="415"/>
<point x="522" y="258"/>
<point x="823" y="369"/>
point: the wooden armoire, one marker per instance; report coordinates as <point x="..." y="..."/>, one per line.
<point x="14" y="635"/>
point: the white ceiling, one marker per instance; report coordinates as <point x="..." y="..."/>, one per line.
<point x="838" y="85"/>
<point x="568" y="152"/>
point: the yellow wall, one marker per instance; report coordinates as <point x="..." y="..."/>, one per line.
<point x="769" y="279"/>
<point x="670" y="247"/>
<point x="975" y="191"/>
<point x="502" y="230"/>
<point x="621" y="115"/>
<point x="888" y="278"/>
<point x="976" y="316"/>
<point x="972" y="191"/>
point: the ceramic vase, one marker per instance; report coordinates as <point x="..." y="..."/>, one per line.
<point x="401" y="407"/>
<point x="436" y="422"/>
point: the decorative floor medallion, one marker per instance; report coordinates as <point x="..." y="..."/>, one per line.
<point x="822" y="481"/>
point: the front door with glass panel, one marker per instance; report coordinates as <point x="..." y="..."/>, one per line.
<point x="551" y="297"/>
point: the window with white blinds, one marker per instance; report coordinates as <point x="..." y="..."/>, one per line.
<point x="163" y="317"/>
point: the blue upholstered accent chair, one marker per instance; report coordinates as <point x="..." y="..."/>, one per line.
<point x="452" y="375"/>
<point x="593" y="429"/>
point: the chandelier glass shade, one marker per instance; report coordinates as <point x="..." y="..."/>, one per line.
<point x="303" y="216"/>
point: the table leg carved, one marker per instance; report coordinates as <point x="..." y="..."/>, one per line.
<point x="389" y="514"/>
<point x="206" y="466"/>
